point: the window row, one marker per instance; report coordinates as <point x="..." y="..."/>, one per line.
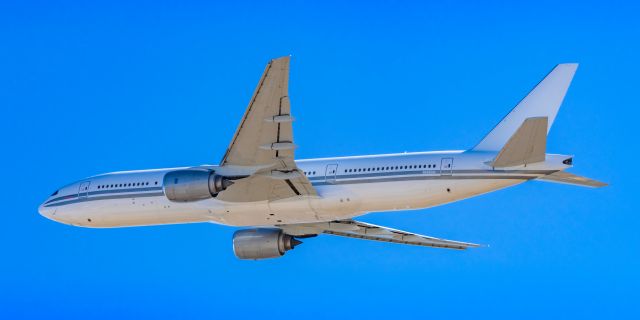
<point x="122" y="185"/>
<point x="419" y="166"/>
<point x="309" y="173"/>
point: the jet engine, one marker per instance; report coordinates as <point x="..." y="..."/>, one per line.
<point x="193" y="184"/>
<point x="257" y="244"/>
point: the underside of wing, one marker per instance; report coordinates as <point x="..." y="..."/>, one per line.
<point x="264" y="186"/>
<point x="361" y="230"/>
<point x="264" y="142"/>
<point x="265" y="136"/>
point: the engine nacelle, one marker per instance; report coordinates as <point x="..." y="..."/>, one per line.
<point x="193" y="185"/>
<point x="257" y="244"/>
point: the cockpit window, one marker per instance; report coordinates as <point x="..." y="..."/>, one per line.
<point x="56" y="192"/>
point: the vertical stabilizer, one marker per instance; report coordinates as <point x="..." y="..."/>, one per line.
<point x="543" y="101"/>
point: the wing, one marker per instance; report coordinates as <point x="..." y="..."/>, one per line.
<point x="264" y="186"/>
<point x="264" y="140"/>
<point x="361" y="230"/>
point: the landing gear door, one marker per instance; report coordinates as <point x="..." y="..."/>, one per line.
<point x="446" y="166"/>
<point x="83" y="190"/>
<point x="330" y="173"/>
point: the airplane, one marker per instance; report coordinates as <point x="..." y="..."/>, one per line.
<point x="279" y="199"/>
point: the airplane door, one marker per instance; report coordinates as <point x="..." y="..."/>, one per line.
<point x="446" y="166"/>
<point x="83" y="191"/>
<point x="330" y="173"/>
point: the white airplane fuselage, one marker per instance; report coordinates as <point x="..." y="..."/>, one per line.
<point x="347" y="187"/>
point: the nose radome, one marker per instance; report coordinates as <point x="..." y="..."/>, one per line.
<point x="45" y="211"/>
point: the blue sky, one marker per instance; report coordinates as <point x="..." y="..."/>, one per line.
<point x="92" y="87"/>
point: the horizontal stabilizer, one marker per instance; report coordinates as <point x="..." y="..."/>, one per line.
<point x="570" y="178"/>
<point x="527" y="145"/>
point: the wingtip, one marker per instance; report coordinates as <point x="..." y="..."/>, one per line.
<point x="287" y="57"/>
<point x="569" y="65"/>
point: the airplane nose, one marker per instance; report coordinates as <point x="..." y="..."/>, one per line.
<point x="46" y="212"/>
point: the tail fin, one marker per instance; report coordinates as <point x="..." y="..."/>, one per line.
<point x="543" y="101"/>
